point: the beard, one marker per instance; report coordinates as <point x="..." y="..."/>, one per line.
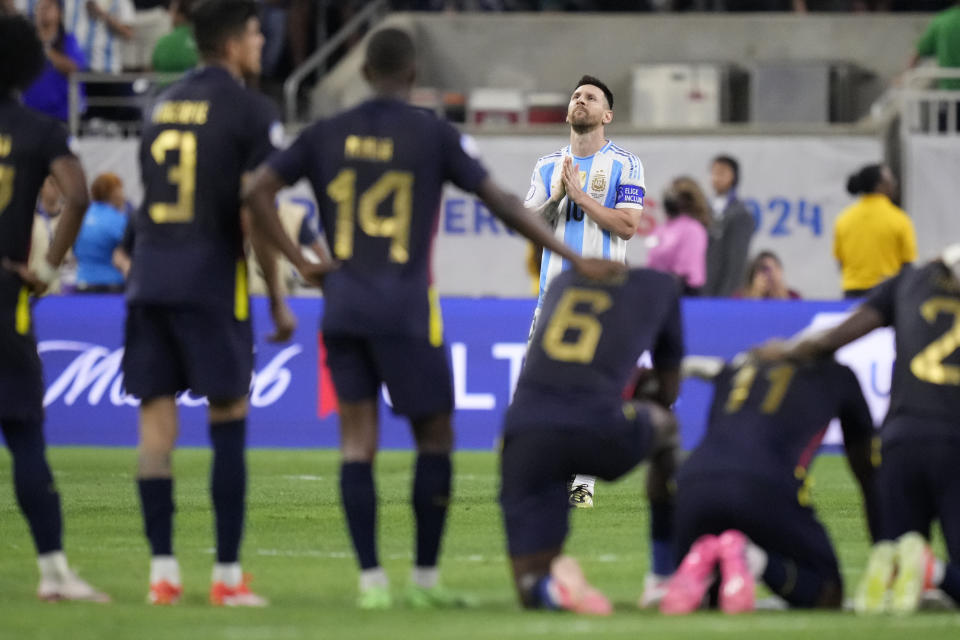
<point x="581" y="121"/>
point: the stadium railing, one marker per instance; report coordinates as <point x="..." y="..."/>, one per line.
<point x="369" y="15"/>
<point x="927" y="109"/>
<point x="140" y="88"/>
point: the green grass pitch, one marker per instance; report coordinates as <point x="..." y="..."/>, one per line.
<point x="298" y="551"/>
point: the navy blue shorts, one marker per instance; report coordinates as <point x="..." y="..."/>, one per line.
<point x="416" y="373"/>
<point x="537" y="462"/>
<point x="918" y="482"/>
<point x="769" y="514"/>
<point x="169" y="349"/>
<point x="21" y="375"/>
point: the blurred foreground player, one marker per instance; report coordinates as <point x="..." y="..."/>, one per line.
<point x="377" y="172"/>
<point x="743" y="504"/>
<point x="917" y="480"/>
<point x="188" y="316"/>
<point x="567" y="415"/>
<point x="31" y="147"/>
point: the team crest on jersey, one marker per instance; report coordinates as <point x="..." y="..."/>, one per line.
<point x="599" y="182"/>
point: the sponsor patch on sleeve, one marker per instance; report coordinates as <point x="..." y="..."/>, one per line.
<point x="630" y="193"/>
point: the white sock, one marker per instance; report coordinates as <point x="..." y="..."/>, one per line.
<point x="756" y="560"/>
<point x="425" y="577"/>
<point x="164" y="568"/>
<point x="939" y="572"/>
<point x="229" y="573"/>
<point x="590" y="481"/>
<point x="52" y="565"/>
<point x="375" y="577"/>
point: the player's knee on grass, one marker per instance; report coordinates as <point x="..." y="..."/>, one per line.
<point x="831" y="595"/>
<point x="433" y="434"/>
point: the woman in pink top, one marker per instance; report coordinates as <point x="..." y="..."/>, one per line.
<point x="679" y="245"/>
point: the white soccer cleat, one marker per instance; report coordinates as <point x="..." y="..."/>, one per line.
<point x="654" y="588"/>
<point x="68" y="586"/>
<point x="581" y="496"/>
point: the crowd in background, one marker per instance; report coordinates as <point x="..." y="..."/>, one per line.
<point x="669" y="5"/>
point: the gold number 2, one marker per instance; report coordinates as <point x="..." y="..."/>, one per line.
<point x="928" y="364"/>
<point x="779" y="378"/>
<point x="566" y="318"/>
<point x="343" y="191"/>
<point x="184" y="175"/>
<point x="6" y="185"/>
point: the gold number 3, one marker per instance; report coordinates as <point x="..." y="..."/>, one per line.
<point x="184" y="175"/>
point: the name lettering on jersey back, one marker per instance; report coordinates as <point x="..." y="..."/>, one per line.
<point x="6" y="145"/>
<point x="181" y="112"/>
<point x="368" y="148"/>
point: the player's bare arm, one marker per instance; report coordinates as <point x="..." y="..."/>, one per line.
<point x="260" y="195"/>
<point x="511" y="211"/>
<point x="623" y="222"/>
<point x="68" y="173"/>
<point x="284" y="320"/>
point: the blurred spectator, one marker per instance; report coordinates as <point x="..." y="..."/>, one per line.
<point x="765" y="279"/>
<point x="301" y="222"/>
<point x="941" y="40"/>
<point x="151" y="21"/>
<point x="730" y="232"/>
<point x="176" y="51"/>
<point x="45" y="219"/>
<point x="273" y="24"/>
<point x="102" y="27"/>
<point x="679" y="246"/>
<point x="101" y="234"/>
<point x="50" y="92"/>
<point x="873" y="238"/>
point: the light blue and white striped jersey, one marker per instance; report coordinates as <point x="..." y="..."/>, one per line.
<point x="612" y="177"/>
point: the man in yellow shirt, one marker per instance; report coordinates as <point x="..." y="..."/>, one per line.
<point x="873" y="238"/>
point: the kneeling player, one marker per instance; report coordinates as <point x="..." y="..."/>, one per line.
<point x="567" y="416"/>
<point x="917" y="480"/>
<point x="742" y="502"/>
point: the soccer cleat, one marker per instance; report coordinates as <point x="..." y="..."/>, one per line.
<point x="573" y="592"/>
<point x="581" y="497"/>
<point x="737" y="585"/>
<point x="692" y="579"/>
<point x="374" y="598"/>
<point x="239" y="596"/>
<point x="914" y="571"/>
<point x="68" y="586"/>
<point x="436" y="597"/>
<point x="163" y="592"/>
<point x="654" y="589"/>
<point x="872" y="594"/>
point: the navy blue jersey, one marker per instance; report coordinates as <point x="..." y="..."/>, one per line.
<point x="768" y="419"/>
<point x="377" y="172"/>
<point x="923" y="306"/>
<point x="29" y="142"/>
<point x="590" y="335"/>
<point x="199" y="138"/>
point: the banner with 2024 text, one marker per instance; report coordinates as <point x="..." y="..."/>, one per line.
<point x="292" y="399"/>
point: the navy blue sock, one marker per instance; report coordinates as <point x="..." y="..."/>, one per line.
<point x="360" y="507"/>
<point x="661" y="538"/>
<point x="156" y="505"/>
<point x="33" y="483"/>
<point x="951" y="581"/>
<point x="228" y="486"/>
<point x="799" y="586"/>
<point x="431" y="497"/>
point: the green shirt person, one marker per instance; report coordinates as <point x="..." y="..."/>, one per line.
<point x="176" y="52"/>
<point x="942" y="41"/>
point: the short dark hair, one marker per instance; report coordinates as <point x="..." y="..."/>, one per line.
<point x="596" y="82"/>
<point x="731" y="162"/>
<point x="757" y="262"/>
<point x="865" y="180"/>
<point x="389" y="52"/>
<point x="216" y="21"/>
<point x="21" y="52"/>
